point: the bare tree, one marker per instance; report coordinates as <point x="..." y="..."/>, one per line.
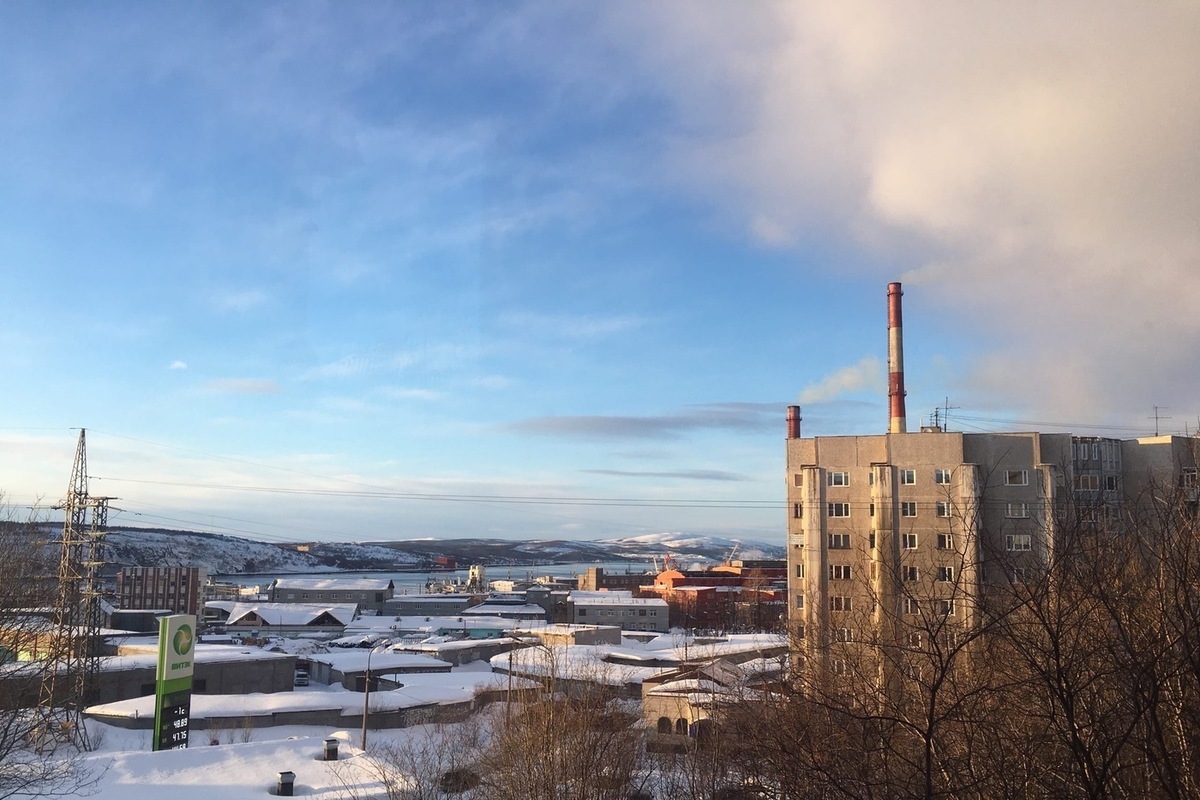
<point x="27" y="588"/>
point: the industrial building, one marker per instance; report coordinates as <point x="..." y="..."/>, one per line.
<point x="894" y="535"/>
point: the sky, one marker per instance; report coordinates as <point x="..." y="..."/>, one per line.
<point x="555" y="270"/>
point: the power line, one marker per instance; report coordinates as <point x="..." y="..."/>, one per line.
<point x="626" y="502"/>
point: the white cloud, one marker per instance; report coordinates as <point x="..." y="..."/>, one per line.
<point x="412" y="394"/>
<point x="243" y="386"/>
<point x="177" y="365"/>
<point x="575" y="326"/>
<point x="865" y="375"/>
<point x="1033" y="167"/>
<point x="241" y="301"/>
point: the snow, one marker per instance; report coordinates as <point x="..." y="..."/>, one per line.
<point x="335" y="584"/>
<point x="292" y="613"/>
<point x="419" y="689"/>
<point x="355" y="660"/>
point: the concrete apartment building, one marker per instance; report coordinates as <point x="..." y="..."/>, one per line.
<point x="889" y="532"/>
<point x="176" y="590"/>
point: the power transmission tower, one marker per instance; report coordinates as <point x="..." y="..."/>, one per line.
<point x="69" y="679"/>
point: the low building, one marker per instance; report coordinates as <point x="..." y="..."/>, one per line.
<point x="291" y="617"/>
<point x="619" y="608"/>
<point x="573" y="634"/>
<point x="681" y="703"/>
<point x="426" y="604"/>
<point x="595" y="579"/>
<point x="370" y="594"/>
<point x="349" y="668"/>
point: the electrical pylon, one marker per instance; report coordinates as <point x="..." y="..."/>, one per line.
<point x="73" y="658"/>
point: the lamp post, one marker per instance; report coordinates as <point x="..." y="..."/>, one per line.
<point x="366" y="698"/>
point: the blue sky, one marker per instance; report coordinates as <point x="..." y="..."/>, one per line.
<point x="418" y="264"/>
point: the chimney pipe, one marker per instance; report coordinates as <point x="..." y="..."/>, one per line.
<point x="793" y="422"/>
<point x="896" y="418"/>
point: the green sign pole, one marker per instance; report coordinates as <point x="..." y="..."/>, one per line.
<point x="173" y="687"/>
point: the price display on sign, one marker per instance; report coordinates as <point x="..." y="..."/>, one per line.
<point x="175" y="721"/>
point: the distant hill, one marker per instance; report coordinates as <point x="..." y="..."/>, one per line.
<point x="230" y="555"/>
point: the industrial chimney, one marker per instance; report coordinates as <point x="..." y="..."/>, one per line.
<point x="896" y="418"/>
<point x="793" y="422"/>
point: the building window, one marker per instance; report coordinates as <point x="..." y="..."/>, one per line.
<point x="908" y="541"/>
<point x="1016" y="477"/>
<point x="799" y="601"/>
<point x="943" y="509"/>
<point x="837" y="666"/>
<point x="872" y="509"/>
<point x="945" y="574"/>
<point x="840" y="602"/>
<point x="946" y="608"/>
<point x="796" y="512"/>
<point x="945" y="541"/>
<point x="1187" y="479"/>
<point x="839" y="541"/>
<point x="839" y="572"/>
<point x="871" y="540"/>
<point x="908" y="574"/>
<point x="1095" y="451"/>
<point x="839" y="509"/>
<point x="843" y="634"/>
<point x="941" y="477"/>
<point x="908" y="477"/>
<point x="799" y="570"/>
<point x="798" y="479"/>
<point x="913" y="640"/>
<point x="583" y="612"/>
<point x="1110" y="483"/>
<point x="1016" y="510"/>
<point x="908" y="509"/>
<point x="871" y="478"/>
<point x="839" y="478"/>
<point x="1019" y="574"/>
<point x="910" y="606"/>
<point x="1018" y="542"/>
<point x="1087" y="482"/>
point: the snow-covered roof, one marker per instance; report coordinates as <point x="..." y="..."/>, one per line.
<point x="599" y="599"/>
<point x="578" y="594"/>
<point x="292" y="613"/>
<point x="524" y="609"/>
<point x="335" y="584"/>
<point x="355" y="660"/>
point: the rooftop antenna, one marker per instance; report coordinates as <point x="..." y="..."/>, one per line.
<point x="1158" y="417"/>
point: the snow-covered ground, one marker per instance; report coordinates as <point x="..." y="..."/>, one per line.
<point x="245" y="762"/>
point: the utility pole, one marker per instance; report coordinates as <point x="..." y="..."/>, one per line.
<point x="366" y="699"/>
<point x="73" y="663"/>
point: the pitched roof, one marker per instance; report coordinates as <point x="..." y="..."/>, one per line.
<point x="292" y="613"/>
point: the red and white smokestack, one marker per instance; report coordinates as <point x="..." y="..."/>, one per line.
<point x="793" y="422"/>
<point x="896" y="418"/>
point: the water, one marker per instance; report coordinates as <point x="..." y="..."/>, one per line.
<point x="414" y="582"/>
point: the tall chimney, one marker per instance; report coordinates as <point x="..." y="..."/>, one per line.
<point x="793" y="422"/>
<point x="896" y="419"/>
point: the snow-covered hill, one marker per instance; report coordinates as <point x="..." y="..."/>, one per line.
<point x="227" y="555"/>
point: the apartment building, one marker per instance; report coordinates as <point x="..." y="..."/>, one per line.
<point x="903" y="527"/>
<point x="177" y="590"/>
